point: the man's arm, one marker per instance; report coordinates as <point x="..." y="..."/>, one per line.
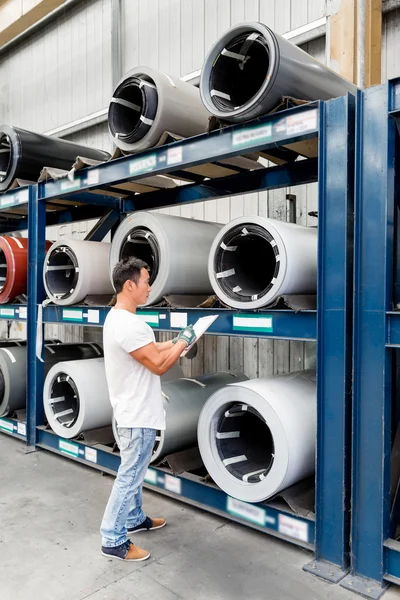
<point x="159" y="361"/>
<point x="162" y="346"/>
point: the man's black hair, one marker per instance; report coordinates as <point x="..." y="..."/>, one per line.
<point x="127" y="268"/>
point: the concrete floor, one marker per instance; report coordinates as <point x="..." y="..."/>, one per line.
<point x="50" y="510"/>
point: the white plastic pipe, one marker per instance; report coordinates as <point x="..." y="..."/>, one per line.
<point x="75" y="397"/>
<point x="254" y="260"/>
<point x="73" y="269"/>
<point x="257" y="437"/>
<point x="176" y="250"/>
<point x="146" y="103"/>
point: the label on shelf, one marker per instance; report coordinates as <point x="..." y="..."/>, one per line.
<point x="151" y="476"/>
<point x="249" y="135"/>
<point x="293" y="528"/>
<point x="142" y="165"/>
<point x="260" y="323"/>
<point x="22" y="312"/>
<point x="93" y="316"/>
<point x="249" y="512"/>
<point x="7" y="312"/>
<point x="174" y="155"/>
<point x="151" y="318"/>
<point x="67" y="185"/>
<point x="91" y="454"/>
<point x="178" y="320"/>
<point x="6" y="425"/>
<point x="173" y="484"/>
<point x="20" y="197"/>
<point x="92" y="177"/>
<point x="72" y="314"/>
<point x="68" y="448"/>
<point x="302" y="122"/>
<point x="21" y="429"/>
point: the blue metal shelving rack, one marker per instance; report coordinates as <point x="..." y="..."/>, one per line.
<point x="332" y="123"/>
<point x="375" y="508"/>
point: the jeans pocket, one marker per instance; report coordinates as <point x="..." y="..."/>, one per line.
<point x="125" y="432"/>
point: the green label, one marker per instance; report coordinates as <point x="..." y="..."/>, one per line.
<point x="68" y="448"/>
<point x="249" y="512"/>
<point x="72" y="314"/>
<point x="151" y="318"/>
<point x="7" y="312"/>
<point x="256" y="323"/>
<point x="67" y="185"/>
<point x="143" y="165"/>
<point x="6" y="425"/>
<point x="151" y="476"/>
<point x="251" y="135"/>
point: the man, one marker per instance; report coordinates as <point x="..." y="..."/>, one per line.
<point x="134" y="363"/>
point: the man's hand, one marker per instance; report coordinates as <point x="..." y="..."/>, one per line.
<point x="187" y="335"/>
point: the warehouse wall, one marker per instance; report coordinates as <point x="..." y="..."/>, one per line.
<point x="64" y="72"/>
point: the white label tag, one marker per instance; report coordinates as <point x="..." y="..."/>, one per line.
<point x="23" y="312"/>
<point x="92" y="177"/>
<point x="6" y="425"/>
<point x="302" y="122"/>
<point x="72" y="315"/>
<point x="173" y="484"/>
<point x="174" y="155"/>
<point x="6" y="312"/>
<point x="151" y="476"/>
<point x="149" y="318"/>
<point x="21" y="429"/>
<point x="178" y="320"/>
<point x="251" y="135"/>
<point x="293" y="528"/>
<point x="250" y="512"/>
<point x="93" y="316"/>
<point x="67" y="185"/>
<point x="91" y="454"/>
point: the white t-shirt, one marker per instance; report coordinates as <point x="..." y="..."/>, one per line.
<point x="135" y="392"/>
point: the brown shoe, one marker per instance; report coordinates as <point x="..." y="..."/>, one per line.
<point x="126" y="551"/>
<point x="148" y="525"/>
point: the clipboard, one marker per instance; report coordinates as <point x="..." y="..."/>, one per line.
<point x="200" y="327"/>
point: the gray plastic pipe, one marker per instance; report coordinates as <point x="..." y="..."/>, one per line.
<point x="250" y="68"/>
<point x="13" y="369"/>
<point x="176" y="250"/>
<point x="146" y="103"/>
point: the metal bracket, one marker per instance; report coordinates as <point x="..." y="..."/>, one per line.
<point x="30" y="449"/>
<point x="366" y="587"/>
<point x="326" y="570"/>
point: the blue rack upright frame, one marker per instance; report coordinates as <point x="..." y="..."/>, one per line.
<point x="330" y="127"/>
<point x="375" y="502"/>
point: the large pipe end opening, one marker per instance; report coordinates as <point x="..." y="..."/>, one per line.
<point x="246" y="262"/>
<point x="5" y="156"/>
<point x="3" y="269"/>
<point x="244" y="442"/>
<point x="142" y="243"/>
<point x="62" y="272"/>
<point x="239" y="71"/>
<point x="133" y="108"/>
<point x="64" y="400"/>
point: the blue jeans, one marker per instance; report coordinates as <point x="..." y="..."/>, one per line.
<point x="124" y="507"/>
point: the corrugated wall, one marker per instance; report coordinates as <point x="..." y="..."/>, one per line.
<point x="64" y="73"/>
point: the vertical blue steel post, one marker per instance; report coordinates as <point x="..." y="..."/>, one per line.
<point x="334" y="331"/>
<point x="372" y="386"/>
<point x="36" y="254"/>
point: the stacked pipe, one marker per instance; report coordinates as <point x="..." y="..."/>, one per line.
<point x="73" y="269"/>
<point x="257" y="437"/>
<point x="13" y="369"/>
<point x="13" y="267"/>
<point x="23" y="154"/>
<point x="176" y="250"/>
<point x="146" y="103"/>
<point x="250" y="69"/>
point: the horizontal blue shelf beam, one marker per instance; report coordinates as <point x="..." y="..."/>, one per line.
<point x="292" y="174"/>
<point x="263" y="517"/>
<point x="282" y="324"/>
<point x="13" y="427"/>
<point x="13" y="312"/>
<point x="290" y="126"/>
<point x="392" y="560"/>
